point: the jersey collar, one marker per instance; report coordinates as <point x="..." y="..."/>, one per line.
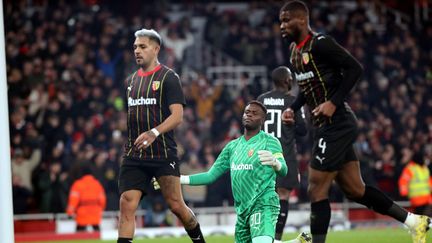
<point x="303" y="42"/>
<point x="141" y="73"/>
<point x="253" y="138"/>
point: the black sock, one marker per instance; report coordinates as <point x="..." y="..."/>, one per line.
<point x="319" y="220"/>
<point x="282" y="218"/>
<point x="381" y="203"/>
<point x="397" y="212"/>
<point x="124" y="240"/>
<point x="196" y="235"/>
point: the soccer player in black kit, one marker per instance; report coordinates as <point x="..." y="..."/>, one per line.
<point x="326" y="73"/>
<point x="276" y="101"/>
<point x="155" y="107"/>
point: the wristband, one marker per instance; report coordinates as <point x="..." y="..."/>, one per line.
<point x="184" y="180"/>
<point x="155" y="132"/>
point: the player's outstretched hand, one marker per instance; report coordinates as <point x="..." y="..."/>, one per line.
<point x="267" y="158"/>
<point x="155" y="184"/>
<point x="288" y="116"/>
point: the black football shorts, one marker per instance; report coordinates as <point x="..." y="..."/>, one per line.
<point x="136" y="175"/>
<point x="291" y="180"/>
<point x="333" y="143"/>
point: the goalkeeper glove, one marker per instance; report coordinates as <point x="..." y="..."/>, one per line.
<point x="267" y="158"/>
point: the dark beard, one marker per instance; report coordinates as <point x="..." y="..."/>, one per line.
<point x="292" y="37"/>
<point x="250" y="127"/>
<point x="287" y="40"/>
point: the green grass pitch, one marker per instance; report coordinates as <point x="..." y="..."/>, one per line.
<point x="354" y="236"/>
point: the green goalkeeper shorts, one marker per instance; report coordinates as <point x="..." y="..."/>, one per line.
<point x="260" y="222"/>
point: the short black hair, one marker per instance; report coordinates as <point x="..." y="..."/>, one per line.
<point x="295" y="6"/>
<point x="261" y="105"/>
<point x="86" y="169"/>
<point x="418" y="156"/>
<point x="281" y="74"/>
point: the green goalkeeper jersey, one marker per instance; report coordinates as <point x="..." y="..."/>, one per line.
<point x="253" y="184"/>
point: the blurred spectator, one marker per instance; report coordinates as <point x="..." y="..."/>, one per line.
<point x="415" y="183"/>
<point x="23" y="167"/>
<point x="87" y="201"/>
<point x="53" y="186"/>
<point x="157" y="214"/>
<point x="21" y="196"/>
<point x="175" y="41"/>
<point x="205" y="97"/>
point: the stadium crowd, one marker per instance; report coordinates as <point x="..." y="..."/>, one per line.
<point x="66" y="64"/>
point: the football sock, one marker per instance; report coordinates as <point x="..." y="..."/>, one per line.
<point x="124" y="240"/>
<point x="282" y="218"/>
<point x="319" y="220"/>
<point x="381" y="203"/>
<point x="397" y="212"/>
<point x="196" y="235"/>
<point x="410" y="220"/>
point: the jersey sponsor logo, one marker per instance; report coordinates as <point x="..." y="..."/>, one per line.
<point x="303" y="76"/>
<point x="250" y="152"/>
<point x="272" y="101"/>
<point x="141" y="101"/>
<point x="155" y="85"/>
<point x="305" y="58"/>
<point x="241" y="166"/>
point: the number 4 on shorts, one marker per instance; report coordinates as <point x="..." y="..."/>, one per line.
<point x="322" y="145"/>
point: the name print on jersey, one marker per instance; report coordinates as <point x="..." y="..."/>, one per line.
<point x="141" y="101"/>
<point x="303" y="76"/>
<point x="241" y="167"/>
<point x="274" y="101"/>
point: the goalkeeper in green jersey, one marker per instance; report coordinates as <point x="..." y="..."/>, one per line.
<point x="254" y="160"/>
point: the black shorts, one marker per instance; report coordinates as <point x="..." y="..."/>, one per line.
<point x="291" y="180"/>
<point x="136" y="175"/>
<point x="333" y="143"/>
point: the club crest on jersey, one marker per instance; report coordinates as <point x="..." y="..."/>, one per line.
<point x="305" y="57"/>
<point x="155" y="85"/>
<point x="250" y="153"/>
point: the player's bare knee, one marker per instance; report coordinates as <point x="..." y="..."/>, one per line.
<point x="311" y="192"/>
<point x="283" y="193"/>
<point x="176" y="206"/>
<point x="316" y="193"/>
<point x="312" y="188"/>
<point x="354" y="193"/>
<point x="127" y="203"/>
<point x="283" y="196"/>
